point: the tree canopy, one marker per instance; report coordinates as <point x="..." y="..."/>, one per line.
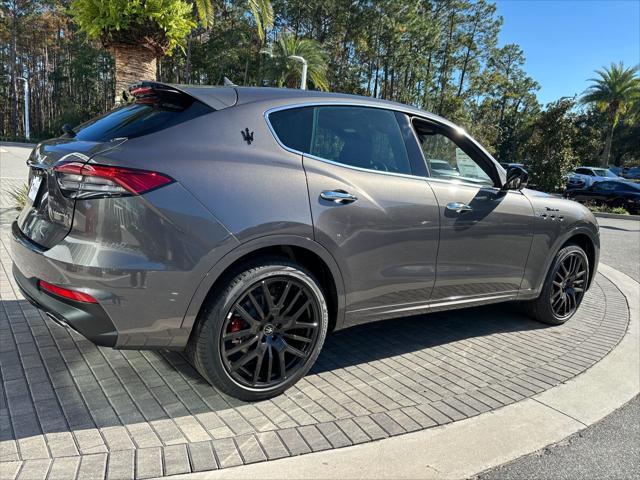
<point x="439" y="55"/>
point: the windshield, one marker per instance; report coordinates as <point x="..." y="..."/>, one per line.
<point x="602" y="172"/>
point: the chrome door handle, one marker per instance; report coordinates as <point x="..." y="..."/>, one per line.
<point x="338" y="196"/>
<point x="459" y="207"/>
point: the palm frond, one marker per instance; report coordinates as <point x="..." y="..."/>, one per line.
<point x="205" y="11"/>
<point x="262" y="13"/>
<point x="286" y="71"/>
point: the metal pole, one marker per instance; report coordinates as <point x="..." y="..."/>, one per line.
<point x="26" y="108"/>
<point x="27" y="124"/>
<point x="303" y="80"/>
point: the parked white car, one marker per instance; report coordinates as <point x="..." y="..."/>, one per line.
<point x="583" y="177"/>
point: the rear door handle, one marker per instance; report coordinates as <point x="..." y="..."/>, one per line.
<point x="338" y="196"/>
<point x="459" y="207"/>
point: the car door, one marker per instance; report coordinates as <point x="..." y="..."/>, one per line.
<point x="371" y="208"/>
<point x="486" y="232"/>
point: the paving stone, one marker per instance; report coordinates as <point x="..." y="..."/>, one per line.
<point x="272" y="445"/>
<point x="148" y="462"/>
<point x="63" y="468"/>
<point x="250" y="449"/>
<point x="202" y="458"/>
<point x="9" y="469"/>
<point x="92" y="466"/>
<point x="61" y="444"/>
<point x="142" y="413"/>
<point x="89" y="441"/>
<point x="121" y="464"/>
<point x="293" y="441"/>
<point x="351" y="429"/>
<point x="34" y="469"/>
<point x="176" y="460"/>
<point x="334" y="435"/>
<point x="314" y="438"/>
<point x="387" y="423"/>
<point x="226" y="452"/>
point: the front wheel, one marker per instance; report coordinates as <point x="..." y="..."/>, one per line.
<point x="262" y="332"/>
<point x="564" y="287"/>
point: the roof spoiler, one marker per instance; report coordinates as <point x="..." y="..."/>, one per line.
<point x="217" y="98"/>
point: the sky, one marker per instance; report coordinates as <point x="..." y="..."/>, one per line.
<point x="564" y="41"/>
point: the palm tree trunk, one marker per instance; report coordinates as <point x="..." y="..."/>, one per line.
<point x="604" y="160"/>
<point x="133" y="64"/>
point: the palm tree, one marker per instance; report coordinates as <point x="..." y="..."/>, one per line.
<point x="614" y="91"/>
<point x="286" y="71"/>
<point x="138" y="33"/>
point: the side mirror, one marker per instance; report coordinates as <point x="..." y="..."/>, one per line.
<point x="517" y="179"/>
<point x="68" y="130"/>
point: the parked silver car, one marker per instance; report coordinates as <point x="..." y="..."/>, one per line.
<point x="243" y="224"/>
<point x="583" y="177"/>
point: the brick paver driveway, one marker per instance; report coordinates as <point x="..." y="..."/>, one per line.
<point x="71" y="409"/>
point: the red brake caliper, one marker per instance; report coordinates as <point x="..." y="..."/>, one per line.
<point x="236" y="324"/>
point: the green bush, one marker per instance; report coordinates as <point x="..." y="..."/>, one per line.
<point x="606" y="209"/>
<point x="163" y="23"/>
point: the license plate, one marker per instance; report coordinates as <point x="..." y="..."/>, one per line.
<point x="35" y="187"/>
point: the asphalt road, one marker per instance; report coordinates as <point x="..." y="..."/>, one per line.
<point x="609" y="449"/>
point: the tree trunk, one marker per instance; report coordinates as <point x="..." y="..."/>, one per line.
<point x="604" y="160"/>
<point x="133" y="63"/>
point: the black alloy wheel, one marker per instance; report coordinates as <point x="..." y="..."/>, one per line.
<point x="564" y="288"/>
<point x="269" y="332"/>
<point x="262" y="331"/>
<point x="569" y="285"/>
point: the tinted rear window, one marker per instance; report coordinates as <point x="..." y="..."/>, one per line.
<point x="147" y="115"/>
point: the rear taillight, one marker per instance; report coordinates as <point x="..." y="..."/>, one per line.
<point x="66" y="293"/>
<point x="84" y="180"/>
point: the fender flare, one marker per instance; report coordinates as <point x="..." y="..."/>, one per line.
<point x="203" y="289"/>
<point x="580" y="228"/>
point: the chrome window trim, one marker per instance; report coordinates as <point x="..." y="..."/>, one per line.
<point x="326" y="160"/>
<point x="399" y="108"/>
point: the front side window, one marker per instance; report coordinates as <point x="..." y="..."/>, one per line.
<point x="448" y="160"/>
<point x="360" y="137"/>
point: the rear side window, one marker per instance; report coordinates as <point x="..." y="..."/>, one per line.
<point x="361" y="137"/>
<point x="148" y="114"/>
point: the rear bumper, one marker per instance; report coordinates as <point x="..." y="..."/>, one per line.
<point x="88" y="319"/>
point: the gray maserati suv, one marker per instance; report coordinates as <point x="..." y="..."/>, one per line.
<point x="243" y="224"/>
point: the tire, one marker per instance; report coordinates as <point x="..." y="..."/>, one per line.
<point x="547" y="307"/>
<point x="258" y="335"/>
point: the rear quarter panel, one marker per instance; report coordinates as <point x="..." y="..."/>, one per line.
<point x="239" y="193"/>
<point x="253" y="189"/>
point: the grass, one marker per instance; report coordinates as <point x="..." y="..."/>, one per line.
<point x="606" y="209"/>
<point x="19" y="195"/>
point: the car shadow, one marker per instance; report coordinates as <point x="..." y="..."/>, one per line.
<point x="54" y="380"/>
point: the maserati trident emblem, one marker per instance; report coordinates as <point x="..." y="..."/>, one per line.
<point x="247" y="136"/>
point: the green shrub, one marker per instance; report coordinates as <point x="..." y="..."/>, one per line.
<point x="163" y="24"/>
<point x="19" y="195"/>
<point x="606" y="209"/>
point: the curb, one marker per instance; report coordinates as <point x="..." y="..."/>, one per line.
<point x="17" y="144"/>
<point x="616" y="216"/>
<point x="466" y="448"/>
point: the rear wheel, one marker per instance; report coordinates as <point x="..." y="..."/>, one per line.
<point x="262" y="332"/>
<point x="564" y="287"/>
